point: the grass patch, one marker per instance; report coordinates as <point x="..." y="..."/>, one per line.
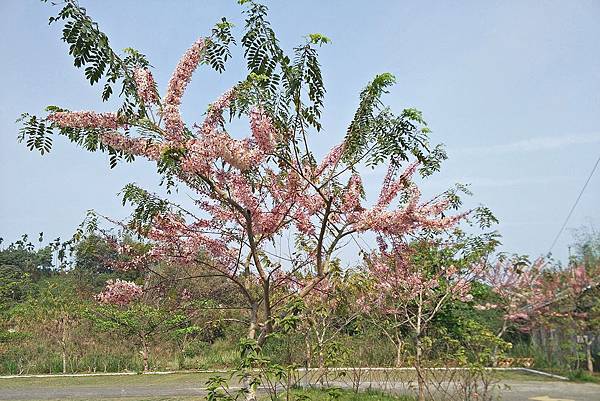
<point x="520" y="376"/>
<point x="299" y="395"/>
<point x="180" y="379"/>
<point x="190" y="398"/>
<point x="335" y="394"/>
<point x="584" y="377"/>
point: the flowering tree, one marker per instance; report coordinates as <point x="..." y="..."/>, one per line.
<point x="252" y="195"/>
<point x="529" y="291"/>
<point x="537" y="294"/>
<point x="521" y="288"/>
<point x="142" y="315"/>
<point x="587" y="257"/>
<point x="587" y="308"/>
<point x="572" y="306"/>
<point x="412" y="281"/>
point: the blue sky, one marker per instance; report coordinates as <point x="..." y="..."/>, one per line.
<point x="511" y="87"/>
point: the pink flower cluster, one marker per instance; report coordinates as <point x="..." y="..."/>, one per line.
<point x="182" y="243"/>
<point x="351" y="195"/>
<point x="519" y="285"/>
<point x="215" y="111"/>
<point x="146" y="87"/>
<point x="284" y="194"/>
<point x="397" y="281"/>
<point x="262" y="130"/>
<point x="213" y="144"/>
<point x="84" y="119"/>
<point x="177" y="84"/>
<point x="516" y="316"/>
<point x="133" y="146"/>
<point x="331" y="160"/>
<point x="307" y="205"/>
<point x="240" y="154"/>
<point x="390" y="187"/>
<point x="579" y="279"/>
<point x="119" y="292"/>
<point x="411" y="217"/>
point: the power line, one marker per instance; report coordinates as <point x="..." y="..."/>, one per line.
<point x="575" y="204"/>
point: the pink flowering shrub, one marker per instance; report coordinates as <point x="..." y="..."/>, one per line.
<point x="119" y="292"/>
<point x="530" y="292"/>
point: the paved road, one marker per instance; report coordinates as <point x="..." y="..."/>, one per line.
<point x="516" y="391"/>
<point x="551" y="390"/>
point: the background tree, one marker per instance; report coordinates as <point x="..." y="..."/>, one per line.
<point x="126" y="308"/>
<point x="327" y="312"/>
<point x="31" y="261"/>
<point x="586" y="247"/>
<point x="587" y="256"/>
<point x="56" y="308"/>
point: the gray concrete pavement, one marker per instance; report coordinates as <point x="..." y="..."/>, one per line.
<point x="513" y="390"/>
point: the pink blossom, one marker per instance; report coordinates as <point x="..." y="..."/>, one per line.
<point x="215" y="111"/>
<point x="146" y="87"/>
<point x="579" y="279"/>
<point x="84" y="119"/>
<point x="331" y="159"/>
<point x="240" y="154"/>
<point x="411" y="217"/>
<point x="391" y="188"/>
<point x="183" y="243"/>
<point x="119" y="292"/>
<point x="351" y="196"/>
<point x="177" y="84"/>
<point x="262" y="130"/>
<point x="303" y="223"/>
<point x="132" y="146"/>
<point x="517" y="316"/>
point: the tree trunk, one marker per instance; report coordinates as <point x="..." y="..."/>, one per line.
<point x="495" y="350"/>
<point x="64" y="361"/>
<point x="321" y="358"/>
<point x="145" y="354"/>
<point x="308" y="352"/>
<point x="419" y="350"/>
<point x="588" y="353"/>
<point x="550" y="345"/>
<point x="63" y="344"/>
<point x="399" y="349"/>
<point x="420" y="378"/>
<point x="247" y="380"/>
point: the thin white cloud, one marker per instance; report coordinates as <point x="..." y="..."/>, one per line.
<point x="478" y="182"/>
<point x="531" y="145"/>
<point x="509" y="182"/>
